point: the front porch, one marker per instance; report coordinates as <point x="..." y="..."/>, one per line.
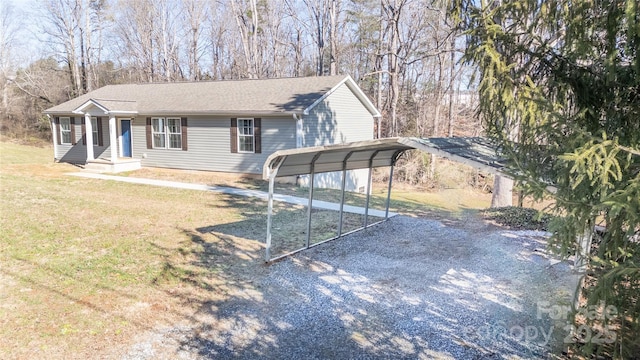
<point x="110" y="154"/>
<point x="102" y="165"/>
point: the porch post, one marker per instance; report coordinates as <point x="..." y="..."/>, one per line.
<point x="89" y="136"/>
<point x="113" y="142"/>
<point x="54" y="133"/>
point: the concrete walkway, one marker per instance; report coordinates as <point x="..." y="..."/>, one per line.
<point x="317" y="204"/>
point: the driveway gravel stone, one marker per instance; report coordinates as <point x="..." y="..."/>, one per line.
<point x="407" y="289"/>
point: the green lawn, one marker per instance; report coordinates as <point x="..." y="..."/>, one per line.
<point x="85" y="265"/>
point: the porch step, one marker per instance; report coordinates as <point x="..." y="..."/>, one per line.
<point x="105" y="166"/>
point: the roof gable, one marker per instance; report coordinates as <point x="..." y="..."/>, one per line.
<point x="351" y="84"/>
<point x="267" y="96"/>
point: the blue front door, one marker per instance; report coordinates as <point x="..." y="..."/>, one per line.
<point x="125" y="126"/>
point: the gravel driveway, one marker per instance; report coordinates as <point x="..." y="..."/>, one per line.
<point x="410" y="288"/>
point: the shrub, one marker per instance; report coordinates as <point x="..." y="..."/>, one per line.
<point x="519" y="218"/>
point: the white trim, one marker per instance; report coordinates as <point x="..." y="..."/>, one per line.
<point x="356" y="91"/>
<point x="95" y="131"/>
<point x="113" y="138"/>
<point x="120" y="142"/>
<point x="92" y="102"/>
<point x="114" y="112"/>
<point x="163" y="132"/>
<point x="54" y="131"/>
<point x="88" y="137"/>
<point x="168" y="134"/>
<point x="253" y="135"/>
<point x="70" y="132"/>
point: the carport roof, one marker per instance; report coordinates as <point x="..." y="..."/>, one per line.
<point x="474" y="151"/>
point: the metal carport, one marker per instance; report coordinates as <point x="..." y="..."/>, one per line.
<point x="476" y="152"/>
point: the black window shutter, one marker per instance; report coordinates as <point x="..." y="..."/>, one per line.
<point x="56" y="120"/>
<point x="99" y="124"/>
<point x="257" y="136"/>
<point x="183" y="123"/>
<point x="149" y="137"/>
<point x="234" y="135"/>
<point x="84" y="132"/>
<point x="72" y="121"/>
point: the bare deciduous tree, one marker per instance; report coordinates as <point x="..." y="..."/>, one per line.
<point x="400" y="51"/>
<point x="9" y="27"/>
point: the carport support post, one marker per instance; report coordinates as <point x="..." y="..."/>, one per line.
<point x="267" y="253"/>
<point x="344" y="185"/>
<point x="386" y="210"/>
<point x="310" y="205"/>
<point x="366" y="206"/>
<point x="312" y="176"/>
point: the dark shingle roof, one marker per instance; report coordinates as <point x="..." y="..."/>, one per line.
<point x="287" y="95"/>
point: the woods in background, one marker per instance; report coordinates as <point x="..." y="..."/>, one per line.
<point x="403" y="53"/>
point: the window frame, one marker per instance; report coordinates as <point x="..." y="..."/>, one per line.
<point x="163" y="131"/>
<point x="62" y="130"/>
<point x="169" y="133"/>
<point x="241" y="135"/>
<point x="95" y="131"/>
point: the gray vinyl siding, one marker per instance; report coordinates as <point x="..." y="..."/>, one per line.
<point x="77" y="153"/>
<point x="209" y="145"/>
<point x="339" y="118"/>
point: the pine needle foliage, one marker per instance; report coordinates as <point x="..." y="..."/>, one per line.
<point x="562" y="79"/>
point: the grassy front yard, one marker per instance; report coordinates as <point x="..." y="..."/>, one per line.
<point x="85" y="265"/>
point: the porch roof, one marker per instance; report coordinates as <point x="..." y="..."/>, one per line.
<point x="109" y="106"/>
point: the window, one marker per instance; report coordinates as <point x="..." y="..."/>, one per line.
<point x="167" y="133"/>
<point x="245" y="135"/>
<point x="95" y="130"/>
<point x="65" y="130"/>
<point x="159" y="133"/>
<point x="174" y="132"/>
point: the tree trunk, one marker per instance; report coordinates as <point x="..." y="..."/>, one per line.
<point x="248" y="27"/>
<point x="378" y="66"/>
<point x="394" y="86"/>
<point x="436" y="117"/>
<point x="502" y="192"/>
<point x="320" y="42"/>
<point x="333" y="47"/>
<point x="451" y="85"/>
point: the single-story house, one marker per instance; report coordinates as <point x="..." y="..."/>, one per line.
<point x="229" y="126"/>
